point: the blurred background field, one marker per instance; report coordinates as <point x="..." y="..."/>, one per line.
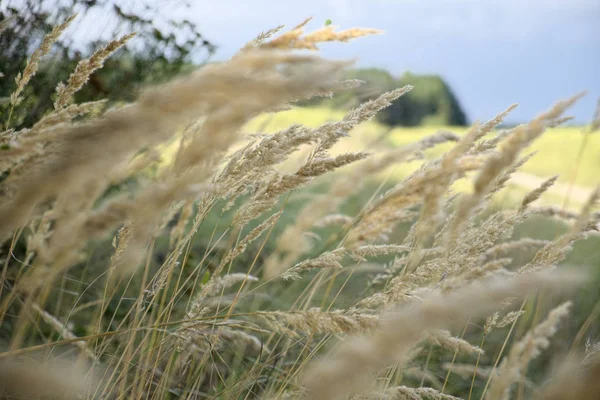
<point x="557" y="149"/>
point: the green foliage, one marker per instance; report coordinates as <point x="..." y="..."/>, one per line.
<point x="431" y="102"/>
<point x="156" y="54"/>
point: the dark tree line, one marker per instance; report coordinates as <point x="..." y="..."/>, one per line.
<point x="431" y="102"/>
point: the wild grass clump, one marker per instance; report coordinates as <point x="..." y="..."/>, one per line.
<point x="226" y="274"/>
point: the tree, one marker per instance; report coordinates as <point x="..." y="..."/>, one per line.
<point x="159" y="53"/>
<point x="431" y="102"/>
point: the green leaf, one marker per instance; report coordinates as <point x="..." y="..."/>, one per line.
<point x="327" y="22"/>
<point x="206" y="277"/>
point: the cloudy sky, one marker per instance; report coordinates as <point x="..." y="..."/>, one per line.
<point x="492" y="52"/>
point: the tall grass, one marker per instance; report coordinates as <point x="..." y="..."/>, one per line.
<point x="230" y="271"/>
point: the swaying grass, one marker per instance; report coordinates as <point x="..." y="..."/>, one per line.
<point x="228" y="268"/>
<point x="557" y="150"/>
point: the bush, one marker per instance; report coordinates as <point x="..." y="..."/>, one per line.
<point x="158" y="55"/>
<point x="431" y="102"/>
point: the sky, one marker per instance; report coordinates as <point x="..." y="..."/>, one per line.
<point x="491" y="52"/>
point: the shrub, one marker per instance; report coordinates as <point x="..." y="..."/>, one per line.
<point x="431" y="102"/>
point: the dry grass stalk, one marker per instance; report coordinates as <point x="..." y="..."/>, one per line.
<point x="330" y="259"/>
<point x="84" y="69"/>
<point x="347" y="369"/>
<point x="333" y="219"/>
<point x="215" y="281"/>
<point x="556" y="250"/>
<point x="150" y="121"/>
<point x="31" y="68"/>
<point x="393" y="156"/>
<point x="315" y="321"/>
<point x="444" y="338"/>
<point x="465" y="262"/>
<point x="523" y="352"/>
<point x="229" y="280"/>
<point x="341" y="189"/>
<point x="434" y="181"/>
<point x="512" y="146"/>
<point x="535" y="194"/>
<point x="379" y="218"/>
<point x="520" y="244"/>
<point x="553" y="211"/>
<point x="61" y="167"/>
<point x="262" y="37"/>
<point x="406" y="393"/>
<point x="294" y="38"/>
<point x="67" y="114"/>
<point x="319" y="161"/>
<point x="466" y="371"/>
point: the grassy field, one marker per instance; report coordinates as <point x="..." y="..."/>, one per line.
<point x="217" y="265"/>
<point x="557" y="150"/>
